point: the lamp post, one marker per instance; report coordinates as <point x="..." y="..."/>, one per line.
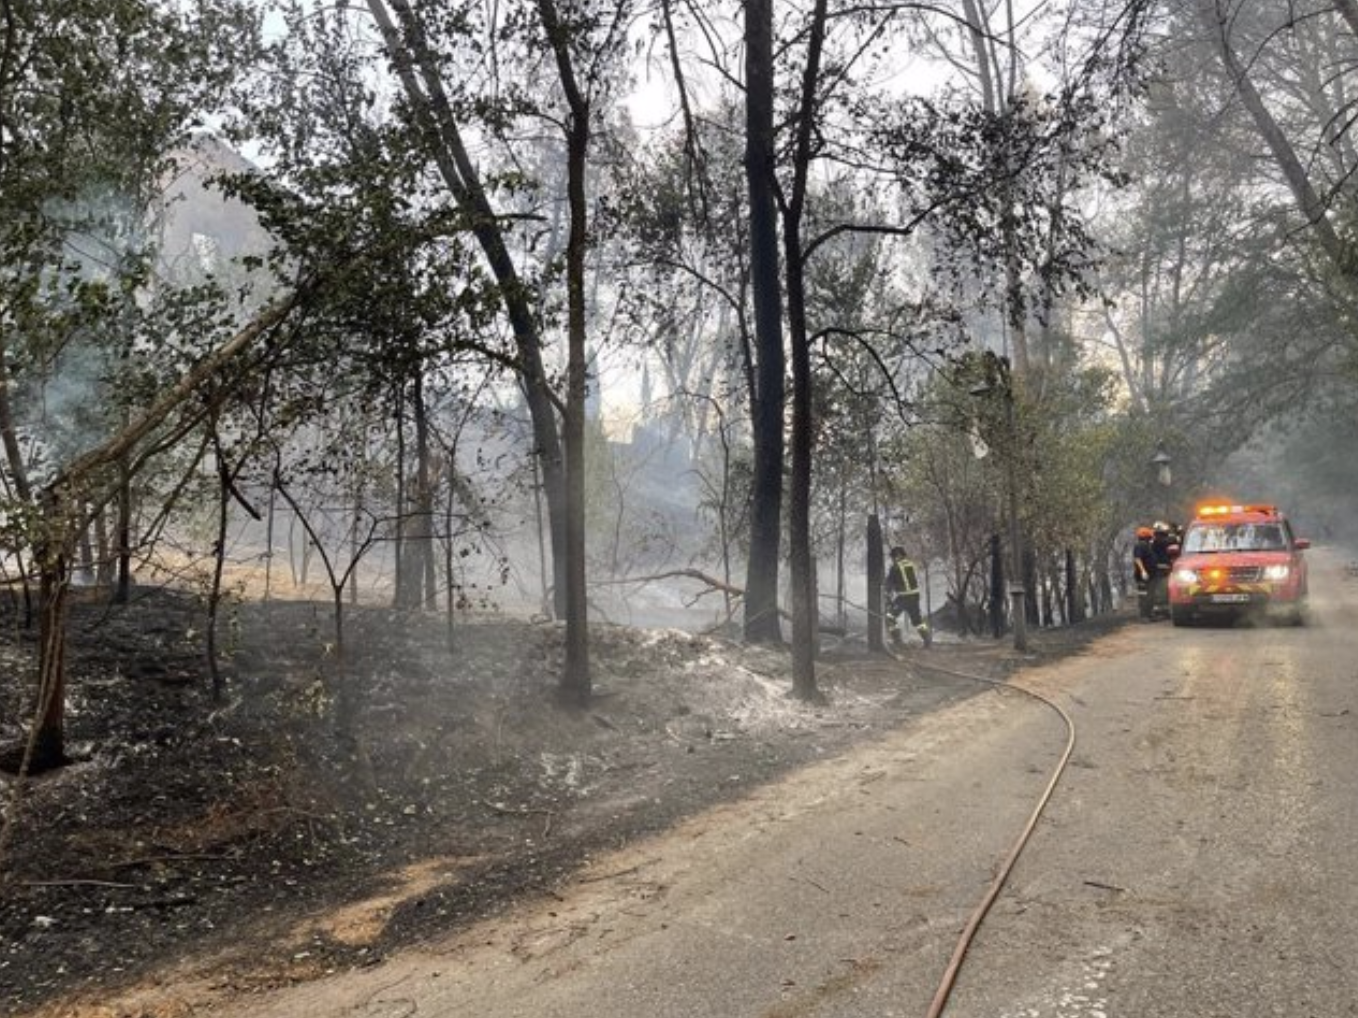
<point x="1161" y="461"/>
<point x="1016" y="591"/>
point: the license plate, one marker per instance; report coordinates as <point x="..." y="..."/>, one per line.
<point x="1230" y="599"/>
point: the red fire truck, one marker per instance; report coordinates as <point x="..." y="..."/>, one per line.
<point x="1237" y="560"/>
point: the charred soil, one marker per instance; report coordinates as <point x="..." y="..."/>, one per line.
<point x="337" y="804"/>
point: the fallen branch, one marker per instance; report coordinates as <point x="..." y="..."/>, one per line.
<point x="81" y="883"/>
<point x="179" y="902"/>
<point x="506" y="811"/>
<point x="688" y="574"/>
<point x="715" y="585"/>
<point x="149" y="860"/>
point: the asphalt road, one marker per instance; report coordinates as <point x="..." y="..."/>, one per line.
<point x="1194" y="862"/>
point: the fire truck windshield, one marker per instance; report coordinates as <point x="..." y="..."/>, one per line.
<point x="1212" y="537"/>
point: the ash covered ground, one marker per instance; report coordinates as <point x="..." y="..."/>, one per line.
<point x="331" y="809"/>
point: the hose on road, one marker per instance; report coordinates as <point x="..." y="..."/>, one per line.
<point x="945" y="988"/>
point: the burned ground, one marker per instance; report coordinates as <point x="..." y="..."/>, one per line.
<point x="333" y="807"/>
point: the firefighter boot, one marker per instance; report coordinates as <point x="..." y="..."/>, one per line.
<point x="925" y="633"/>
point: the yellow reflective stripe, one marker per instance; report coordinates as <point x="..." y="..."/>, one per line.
<point x="908" y="581"/>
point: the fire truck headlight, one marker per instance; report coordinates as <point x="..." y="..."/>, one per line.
<point x="1186" y="575"/>
<point x="1276" y="573"/>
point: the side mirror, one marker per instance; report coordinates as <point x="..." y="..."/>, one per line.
<point x="1301" y="544"/>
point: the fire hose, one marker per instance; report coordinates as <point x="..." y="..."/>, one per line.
<point x="950" y="974"/>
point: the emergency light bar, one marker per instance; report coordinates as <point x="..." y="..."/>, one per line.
<point x="1228" y="510"/>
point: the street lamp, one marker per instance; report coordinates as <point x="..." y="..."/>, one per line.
<point x="1016" y="591"/>
<point x="1161" y="461"/>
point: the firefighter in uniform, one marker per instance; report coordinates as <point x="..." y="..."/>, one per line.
<point x="902" y="598"/>
<point x="1161" y="540"/>
<point x="1143" y="560"/>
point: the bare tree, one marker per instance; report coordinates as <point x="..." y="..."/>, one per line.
<point x="419" y="70"/>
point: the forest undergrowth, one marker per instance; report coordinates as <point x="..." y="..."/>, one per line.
<point x="271" y="837"/>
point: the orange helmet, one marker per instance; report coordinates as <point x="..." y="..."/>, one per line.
<point x="1144" y="532"/>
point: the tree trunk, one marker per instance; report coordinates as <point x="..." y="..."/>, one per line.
<point x="1028" y="559"/>
<point x="268" y="541"/>
<point x="449" y="555"/>
<point x="424" y="492"/>
<point x="766" y="413"/>
<point x="1105" y="581"/>
<point x="575" y="681"/>
<point x="805" y="616"/>
<point x="214" y="597"/>
<point x="85" y="555"/>
<point x="123" y="592"/>
<point x="841" y="542"/>
<point x="9" y="437"/>
<point x="419" y="544"/>
<point x="418" y="70"/>
<point x="49" y="736"/>
<point x="355" y="537"/>
<point x="996" y="95"/>
<point x="104" y="565"/>
<point x="1074" y="610"/>
<point x="48" y="739"/>
<point x="401" y="596"/>
<point x="805" y="600"/>
<point x="996" y="588"/>
<point x="876" y="567"/>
